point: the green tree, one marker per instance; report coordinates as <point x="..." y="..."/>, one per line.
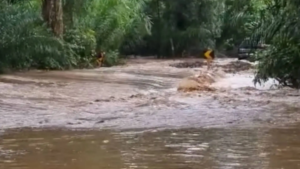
<point x="278" y="26"/>
<point x="52" y="13"/>
<point x="240" y="19"/>
<point x="182" y="25"/>
<point x="27" y="41"/>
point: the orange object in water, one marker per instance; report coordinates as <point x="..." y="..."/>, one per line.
<point x="100" y="58"/>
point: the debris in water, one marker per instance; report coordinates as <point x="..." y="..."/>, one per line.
<point x="136" y="96"/>
<point x="189" y="64"/>
<point x="248" y="88"/>
<point x="236" y="66"/>
<point x="102" y="100"/>
<point x="201" y="82"/>
<point x="105" y="141"/>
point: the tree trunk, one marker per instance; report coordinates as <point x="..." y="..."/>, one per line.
<point x="52" y="13"/>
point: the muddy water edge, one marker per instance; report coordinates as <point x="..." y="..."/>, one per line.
<point x="133" y="117"/>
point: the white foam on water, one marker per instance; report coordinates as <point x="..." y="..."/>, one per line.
<point x="235" y="81"/>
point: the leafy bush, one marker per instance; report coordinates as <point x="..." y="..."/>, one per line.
<point x="83" y="43"/>
<point x="281" y="62"/>
<point x="112" y="58"/>
<point x="26" y="42"/>
<point x="111" y="21"/>
<point x="276" y="23"/>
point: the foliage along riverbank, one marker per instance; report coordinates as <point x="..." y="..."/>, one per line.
<point x="63" y="34"/>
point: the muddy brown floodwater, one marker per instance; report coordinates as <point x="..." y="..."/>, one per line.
<point x="132" y="116"/>
<point x="168" y="149"/>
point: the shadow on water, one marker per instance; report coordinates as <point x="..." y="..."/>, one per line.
<point x="169" y="149"/>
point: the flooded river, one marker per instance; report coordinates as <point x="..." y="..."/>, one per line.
<point x="132" y="116"/>
<point x="169" y="149"/>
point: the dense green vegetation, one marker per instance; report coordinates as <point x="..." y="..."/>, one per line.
<point x="61" y="34"/>
<point x="33" y="37"/>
